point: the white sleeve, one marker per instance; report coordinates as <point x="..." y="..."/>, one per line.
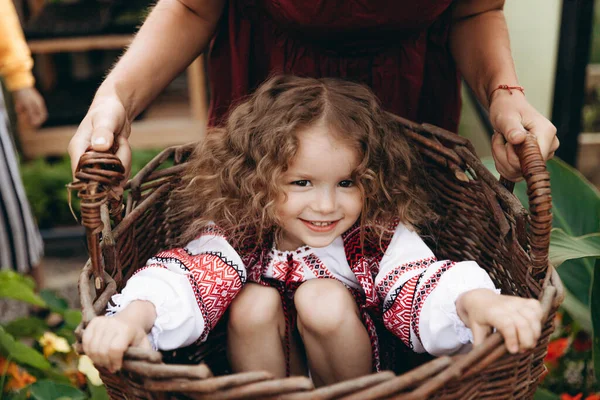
<point x="179" y="321"/>
<point x="191" y="288"/>
<point x="418" y="293"/>
<point x="441" y="329"/>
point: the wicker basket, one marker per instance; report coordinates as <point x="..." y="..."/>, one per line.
<point x="480" y="220"/>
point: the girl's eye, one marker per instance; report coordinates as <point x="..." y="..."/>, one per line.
<point x="301" y="183"/>
<point x="346" y="183"/>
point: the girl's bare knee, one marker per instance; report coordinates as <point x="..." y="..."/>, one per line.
<point x="323" y="306"/>
<point x="255" y="308"/>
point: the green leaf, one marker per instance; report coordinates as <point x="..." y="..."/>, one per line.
<point x="32" y="327"/>
<point x="575" y="201"/>
<point x="17" y="287"/>
<point x="578" y="311"/>
<point x="97" y="392"/>
<point x="72" y="318"/>
<point x="67" y="333"/>
<point x="564" y="247"/>
<point x="543" y="394"/>
<point x="55" y="303"/>
<point x="576" y="277"/>
<point x="50" y="390"/>
<point x="595" y="311"/>
<point x="19" y="395"/>
<point x="21" y="353"/>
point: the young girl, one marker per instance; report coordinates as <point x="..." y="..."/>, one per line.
<point x="302" y="212"/>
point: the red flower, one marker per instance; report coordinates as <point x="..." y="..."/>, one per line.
<point x="566" y="396"/>
<point x="593" y="397"/>
<point x="556" y="349"/>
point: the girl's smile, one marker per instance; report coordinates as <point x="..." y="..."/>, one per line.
<point x="320" y="226"/>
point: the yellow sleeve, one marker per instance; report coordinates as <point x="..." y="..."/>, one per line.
<point x="15" y="57"/>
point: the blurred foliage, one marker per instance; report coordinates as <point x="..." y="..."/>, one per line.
<point x="590" y="112"/>
<point x="595" y="40"/>
<point x="37" y="359"/>
<point x="45" y="183"/>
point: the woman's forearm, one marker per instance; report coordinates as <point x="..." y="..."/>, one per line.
<point x="480" y="45"/>
<point x="173" y="35"/>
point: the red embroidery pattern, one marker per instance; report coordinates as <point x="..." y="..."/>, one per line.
<point x="280" y="269"/>
<point x="317" y="267"/>
<point x="397" y="318"/>
<point x="288" y="271"/>
<point x="215" y="282"/>
<point x="365" y="279"/>
<point x="424" y="291"/>
<point x="388" y="282"/>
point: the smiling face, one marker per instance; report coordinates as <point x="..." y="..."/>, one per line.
<point x="321" y="201"/>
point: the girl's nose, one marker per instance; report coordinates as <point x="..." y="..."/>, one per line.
<point x="325" y="201"/>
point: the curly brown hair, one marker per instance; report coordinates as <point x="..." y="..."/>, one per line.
<point x="233" y="178"/>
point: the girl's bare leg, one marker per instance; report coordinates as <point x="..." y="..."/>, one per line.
<point x="336" y="341"/>
<point x="256" y="332"/>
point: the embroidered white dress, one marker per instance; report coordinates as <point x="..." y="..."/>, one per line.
<point x="405" y="287"/>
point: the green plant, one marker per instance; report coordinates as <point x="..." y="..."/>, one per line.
<point x="574" y="248"/>
<point x="37" y="360"/>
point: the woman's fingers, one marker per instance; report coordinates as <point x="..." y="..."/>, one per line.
<point x="500" y="153"/>
<point x="545" y="134"/>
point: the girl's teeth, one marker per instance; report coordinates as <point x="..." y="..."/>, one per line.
<point x="321" y="223"/>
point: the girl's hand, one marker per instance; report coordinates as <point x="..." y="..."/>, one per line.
<point x="519" y="320"/>
<point x="512" y="116"/>
<point x="29" y="102"/>
<point x="106" y="339"/>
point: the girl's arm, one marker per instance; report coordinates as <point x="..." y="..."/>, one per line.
<point x="519" y="320"/>
<point x="480" y="45"/>
<point x="173" y="35"/>
<point x="180" y="295"/>
<point x="441" y="307"/>
<point x="106" y="339"/>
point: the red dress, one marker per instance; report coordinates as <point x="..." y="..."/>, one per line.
<point x="398" y="48"/>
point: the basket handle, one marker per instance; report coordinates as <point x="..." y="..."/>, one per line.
<point x="97" y="180"/>
<point x="537" y="178"/>
<point x="534" y="171"/>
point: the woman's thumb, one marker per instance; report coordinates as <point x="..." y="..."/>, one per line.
<point x="102" y="139"/>
<point x="511" y="128"/>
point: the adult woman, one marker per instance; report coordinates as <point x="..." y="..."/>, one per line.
<point x="410" y="53"/>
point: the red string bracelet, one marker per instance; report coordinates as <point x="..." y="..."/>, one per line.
<point x="506" y="87"/>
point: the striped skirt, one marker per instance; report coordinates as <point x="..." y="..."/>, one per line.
<point x="21" y="246"/>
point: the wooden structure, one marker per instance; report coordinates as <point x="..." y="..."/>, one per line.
<point x="183" y="119"/>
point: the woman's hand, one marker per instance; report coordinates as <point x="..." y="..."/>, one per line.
<point x="105" y="121"/>
<point x="106" y="339"/>
<point x="512" y="116"/>
<point x="519" y="320"/>
<point x="29" y="102"/>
